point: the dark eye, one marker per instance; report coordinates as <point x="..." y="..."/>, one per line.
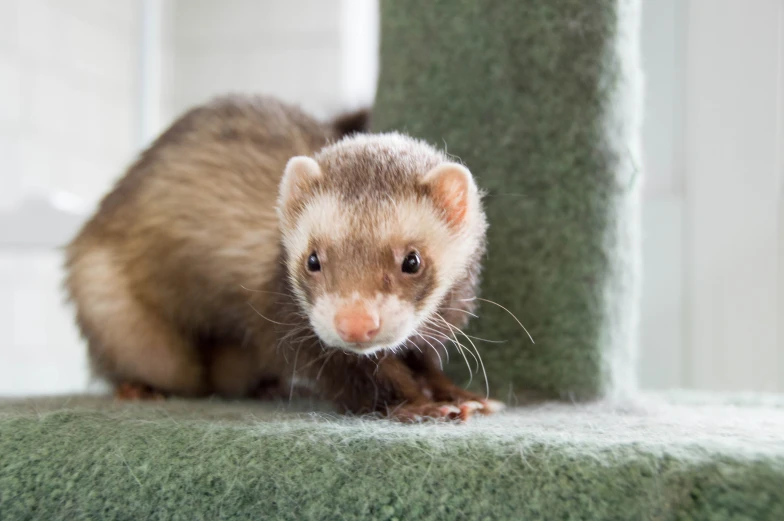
<point x="313" y="262"/>
<point x="411" y="263"/>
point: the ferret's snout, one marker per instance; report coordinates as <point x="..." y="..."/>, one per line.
<point x="356" y="323"/>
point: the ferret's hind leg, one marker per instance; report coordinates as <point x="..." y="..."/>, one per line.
<point x="232" y="370"/>
<point x="131" y="391"/>
<point x="243" y="371"/>
<point x="130" y="345"/>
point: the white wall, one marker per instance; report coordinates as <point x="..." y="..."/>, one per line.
<point x="662" y="325"/>
<point x="714" y="284"/>
<point x="68" y="98"/>
<point x="316" y="53"/>
<point x="68" y="92"/>
<point x="734" y="145"/>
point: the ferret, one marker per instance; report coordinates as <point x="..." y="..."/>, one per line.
<point x="252" y="246"/>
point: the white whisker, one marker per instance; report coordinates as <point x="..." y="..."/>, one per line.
<point x="462" y="311"/>
<point x="294" y="374"/>
<point x="318" y="375"/>
<point x="265" y="291"/>
<point x="482" y="363"/>
<point x="438" y="335"/>
<point x="440" y="362"/>
<point x="461" y="349"/>
<point x="502" y="307"/>
<point x="265" y="318"/>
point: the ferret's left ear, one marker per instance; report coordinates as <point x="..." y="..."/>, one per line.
<point x="453" y="190"/>
<point x="299" y="173"/>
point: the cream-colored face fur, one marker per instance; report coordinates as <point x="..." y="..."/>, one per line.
<point x="361" y="242"/>
<point x="397" y="320"/>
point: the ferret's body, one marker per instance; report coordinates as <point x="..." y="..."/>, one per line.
<point x="188" y="279"/>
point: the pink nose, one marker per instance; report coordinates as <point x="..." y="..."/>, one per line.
<point x="356" y="324"/>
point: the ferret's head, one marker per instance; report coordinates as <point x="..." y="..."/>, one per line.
<point x="376" y="230"/>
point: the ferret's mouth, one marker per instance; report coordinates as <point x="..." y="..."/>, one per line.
<point x="333" y="341"/>
<point x="365" y="348"/>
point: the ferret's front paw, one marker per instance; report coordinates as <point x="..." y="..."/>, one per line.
<point x="443" y="411"/>
<point x="480" y="406"/>
<point x="468" y="402"/>
<point x="491" y="406"/>
<point x="417" y="413"/>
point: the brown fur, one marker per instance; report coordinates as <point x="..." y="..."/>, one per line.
<point x="179" y="280"/>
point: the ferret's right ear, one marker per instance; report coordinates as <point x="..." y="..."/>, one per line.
<point x="452" y="188"/>
<point x="299" y="173"/>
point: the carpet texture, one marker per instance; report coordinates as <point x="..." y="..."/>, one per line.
<point x="89" y="458"/>
<point x="540" y="99"/>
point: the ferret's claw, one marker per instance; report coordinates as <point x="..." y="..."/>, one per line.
<point x="429" y="411"/>
<point x="467" y="409"/>
<point x="460" y="412"/>
<point x="449" y="410"/>
<point x="491" y="406"/>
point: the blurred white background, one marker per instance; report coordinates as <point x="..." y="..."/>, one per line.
<point x="84" y="84"/>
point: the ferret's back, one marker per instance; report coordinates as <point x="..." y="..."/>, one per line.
<point x="233" y="147"/>
<point x="194" y="217"/>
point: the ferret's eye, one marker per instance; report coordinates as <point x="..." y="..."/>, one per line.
<point x="411" y="263"/>
<point x="313" y="262"/>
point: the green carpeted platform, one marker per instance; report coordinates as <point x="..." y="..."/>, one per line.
<point x="88" y="458"/>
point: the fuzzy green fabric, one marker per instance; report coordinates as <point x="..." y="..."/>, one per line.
<point x="540" y="99"/>
<point x="89" y="458"/>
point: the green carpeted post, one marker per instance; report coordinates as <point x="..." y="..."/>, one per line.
<point x="540" y="99"/>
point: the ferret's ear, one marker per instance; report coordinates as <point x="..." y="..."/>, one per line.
<point x="299" y="172"/>
<point x="453" y="190"/>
